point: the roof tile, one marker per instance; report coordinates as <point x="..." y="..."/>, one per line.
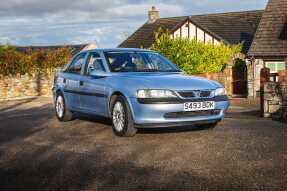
<point x="233" y="28"/>
<point x="270" y="39"/>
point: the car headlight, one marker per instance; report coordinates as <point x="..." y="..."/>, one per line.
<point x="155" y="94"/>
<point x="220" y="92"/>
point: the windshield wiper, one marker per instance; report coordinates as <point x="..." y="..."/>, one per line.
<point x="172" y="71"/>
<point x="155" y="70"/>
<point x="148" y="70"/>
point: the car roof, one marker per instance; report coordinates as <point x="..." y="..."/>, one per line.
<point x="118" y="50"/>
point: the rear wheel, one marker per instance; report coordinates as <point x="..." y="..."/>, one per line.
<point x="62" y="112"/>
<point x="122" y="122"/>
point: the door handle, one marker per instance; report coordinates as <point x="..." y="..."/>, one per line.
<point x="81" y="83"/>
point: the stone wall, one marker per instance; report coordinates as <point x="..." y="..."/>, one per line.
<point x="275" y="100"/>
<point x="22" y="86"/>
<point x="275" y="97"/>
<point x="225" y="78"/>
<point x="253" y="77"/>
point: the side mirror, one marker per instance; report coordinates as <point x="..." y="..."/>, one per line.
<point x="99" y="73"/>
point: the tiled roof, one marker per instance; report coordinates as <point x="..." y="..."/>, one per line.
<point x="271" y="35"/>
<point x="232" y="27"/>
<point x="144" y="36"/>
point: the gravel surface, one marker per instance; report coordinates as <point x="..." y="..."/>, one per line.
<point x="37" y="152"/>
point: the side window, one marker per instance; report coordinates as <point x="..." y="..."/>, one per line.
<point x="95" y="62"/>
<point x="77" y="63"/>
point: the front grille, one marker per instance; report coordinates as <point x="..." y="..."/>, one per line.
<point x="195" y="93"/>
<point x="192" y="113"/>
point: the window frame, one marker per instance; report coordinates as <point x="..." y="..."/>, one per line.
<point x="88" y="60"/>
<point x="73" y="61"/>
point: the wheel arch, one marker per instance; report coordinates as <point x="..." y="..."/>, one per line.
<point x="113" y="96"/>
<point x="59" y="91"/>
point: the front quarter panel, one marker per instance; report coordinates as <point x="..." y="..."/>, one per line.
<point x="124" y="85"/>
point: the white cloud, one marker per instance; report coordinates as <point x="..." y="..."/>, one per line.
<point x="47" y="22"/>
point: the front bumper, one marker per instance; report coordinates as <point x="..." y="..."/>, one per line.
<point x="175" y="124"/>
<point x="154" y="114"/>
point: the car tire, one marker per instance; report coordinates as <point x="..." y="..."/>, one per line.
<point x="122" y="121"/>
<point x="208" y="126"/>
<point x="62" y="112"/>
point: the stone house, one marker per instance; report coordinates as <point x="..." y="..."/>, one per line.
<point x="269" y="46"/>
<point x="230" y="28"/>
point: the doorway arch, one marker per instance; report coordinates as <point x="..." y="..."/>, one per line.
<point x="239" y="78"/>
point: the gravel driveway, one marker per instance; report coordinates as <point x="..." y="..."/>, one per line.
<point x="37" y="152"/>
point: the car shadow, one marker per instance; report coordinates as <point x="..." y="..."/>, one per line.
<point x="243" y="114"/>
<point x="93" y="118"/>
<point x="164" y="130"/>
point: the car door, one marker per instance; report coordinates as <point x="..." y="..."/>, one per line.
<point x="93" y="96"/>
<point x="72" y="77"/>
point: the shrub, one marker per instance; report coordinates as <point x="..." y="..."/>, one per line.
<point x="14" y="62"/>
<point x="192" y="56"/>
<point x="9" y="61"/>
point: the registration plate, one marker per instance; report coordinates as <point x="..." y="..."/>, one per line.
<point x="199" y="106"/>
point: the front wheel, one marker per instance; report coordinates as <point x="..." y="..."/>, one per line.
<point x="122" y="121"/>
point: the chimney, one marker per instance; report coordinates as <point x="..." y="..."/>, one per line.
<point x="153" y="15"/>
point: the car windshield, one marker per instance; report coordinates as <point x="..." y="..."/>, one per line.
<point x="139" y="62"/>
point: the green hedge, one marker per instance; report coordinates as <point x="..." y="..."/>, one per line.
<point x="14" y="62"/>
<point x="192" y="56"/>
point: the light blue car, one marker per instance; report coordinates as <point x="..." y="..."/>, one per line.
<point x="136" y="89"/>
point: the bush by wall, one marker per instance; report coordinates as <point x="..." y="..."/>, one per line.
<point x="195" y="57"/>
<point x="14" y="62"/>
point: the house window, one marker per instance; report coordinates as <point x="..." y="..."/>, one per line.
<point x="276" y="66"/>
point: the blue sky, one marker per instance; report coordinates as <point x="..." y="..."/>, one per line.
<point x="106" y="22"/>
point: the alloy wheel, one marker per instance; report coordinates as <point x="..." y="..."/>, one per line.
<point x="60" y="106"/>
<point x="119" y="116"/>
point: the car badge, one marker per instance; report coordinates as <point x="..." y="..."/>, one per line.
<point x="196" y="93"/>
